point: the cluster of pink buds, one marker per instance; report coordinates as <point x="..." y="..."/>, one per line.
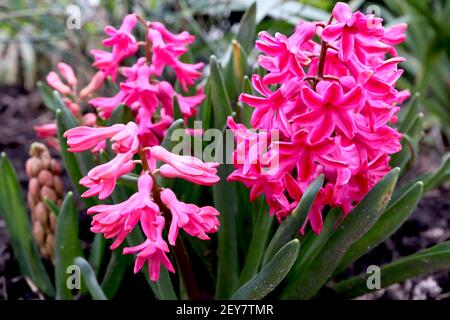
<point x="331" y="103"/>
<point x="152" y="207"/>
<point x="72" y="98"/>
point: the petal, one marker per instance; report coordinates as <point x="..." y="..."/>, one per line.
<point x="332" y="32"/>
<point x="311" y="98"/>
<point x="352" y="99"/>
<point x="342" y="12"/>
<point x="308" y="119"/>
<point x="347" y="44"/>
<point x="344" y="121"/>
<point x="333" y="93"/>
<point x="323" y="129"/>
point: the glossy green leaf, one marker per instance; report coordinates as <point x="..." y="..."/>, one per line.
<point x="394" y="216"/>
<point x="423" y="262"/>
<point x="352" y="228"/>
<point x="235" y="70"/>
<point x="128" y="180"/>
<point x="206" y="108"/>
<point x="257" y="246"/>
<point x="439" y="176"/>
<point x="47" y="96"/>
<point x="84" y="159"/>
<point x="408" y="112"/>
<point x="67" y="245"/>
<point x="170" y="140"/>
<point x="117" y="115"/>
<point x="89" y="279"/>
<point x="115" y="272"/>
<point x="247" y="29"/>
<point x="221" y="107"/>
<point x="408" y="154"/>
<point x="225" y="200"/>
<point x="97" y="253"/>
<point x="290" y="227"/>
<point x="70" y="161"/>
<point x="312" y="244"/>
<point x="68" y="119"/>
<point x="52" y="206"/>
<point x="13" y="210"/>
<point x="271" y="274"/>
<point x="245" y="113"/>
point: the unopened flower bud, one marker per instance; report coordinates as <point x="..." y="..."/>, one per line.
<point x="49" y="193"/>
<point x="33" y="166"/>
<point x="45" y="178"/>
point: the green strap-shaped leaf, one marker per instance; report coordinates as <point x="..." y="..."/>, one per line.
<point x="235" y="70"/>
<point x="52" y="206"/>
<point x="89" y="279"/>
<point x="117" y="115"/>
<point x="70" y="161"/>
<point x="352" y="228"/>
<point x="13" y="211"/>
<point x="394" y="216"/>
<point x="313" y="243"/>
<point x="221" y="107"/>
<point x="426" y="261"/>
<point x="206" y="108"/>
<point x="439" y="176"/>
<point x="245" y="114"/>
<point x="47" y="96"/>
<point x="225" y="200"/>
<point x="271" y="275"/>
<point x="257" y="246"/>
<point x="408" y="113"/>
<point x="169" y="140"/>
<point x="69" y="120"/>
<point x="128" y="180"/>
<point x="406" y="157"/>
<point x="247" y="29"/>
<point x="97" y="253"/>
<point x="67" y="245"/>
<point x="85" y="160"/>
<point x="115" y="272"/>
<point x="288" y="230"/>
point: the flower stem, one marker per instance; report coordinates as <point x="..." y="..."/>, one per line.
<point x="148" y="44"/>
<point x="323" y="55"/>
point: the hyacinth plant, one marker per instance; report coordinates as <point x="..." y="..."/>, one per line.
<point x="320" y="142"/>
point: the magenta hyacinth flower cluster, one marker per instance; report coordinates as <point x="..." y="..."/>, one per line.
<point x="141" y="89"/>
<point x="332" y="102"/>
<point x="152" y="207"/>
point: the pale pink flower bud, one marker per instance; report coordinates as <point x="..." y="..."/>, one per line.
<point x="55" y="82"/>
<point x="95" y="84"/>
<point x="68" y="74"/>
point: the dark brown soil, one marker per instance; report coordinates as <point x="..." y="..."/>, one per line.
<point x="429" y="224"/>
